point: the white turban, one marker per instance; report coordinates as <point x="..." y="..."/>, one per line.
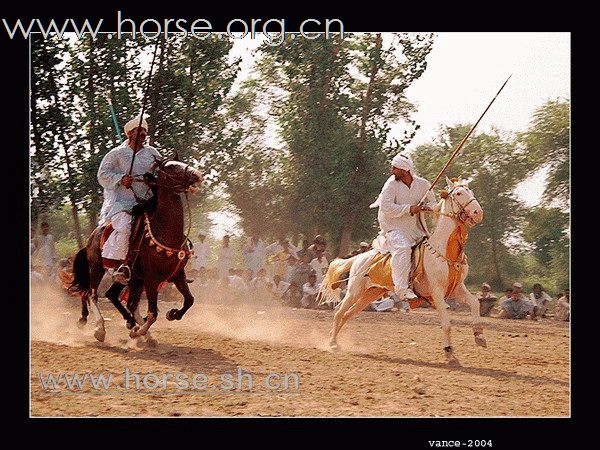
<point x="133" y="124"/>
<point x="403" y="162"/>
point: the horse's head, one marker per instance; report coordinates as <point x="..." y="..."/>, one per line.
<point x="463" y="202"/>
<point x="176" y="176"/>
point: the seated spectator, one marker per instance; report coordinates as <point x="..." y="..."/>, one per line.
<point x="383" y="304"/>
<point x="486" y="300"/>
<point x="539" y="298"/>
<point x="562" y="309"/>
<point x="290" y="267"/>
<point x="261" y="280"/>
<point x="319" y="264"/>
<point x="279" y="289"/>
<point x="517" y="306"/>
<point x="236" y="283"/>
<point x="299" y="278"/>
<point x="309" y="291"/>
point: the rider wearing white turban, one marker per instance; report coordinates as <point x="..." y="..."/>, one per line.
<point x="398" y="218"/>
<point x="119" y="187"/>
<point x="134" y="123"/>
<point x="403" y="162"/>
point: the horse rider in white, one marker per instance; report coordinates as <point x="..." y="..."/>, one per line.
<point x="119" y="189"/>
<point x="398" y="217"/>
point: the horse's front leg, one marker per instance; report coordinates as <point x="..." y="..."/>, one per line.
<point x="462" y="293"/>
<point x="133" y="304"/>
<point x="188" y="299"/>
<point x="440" y="306"/>
<point x="151" y="288"/>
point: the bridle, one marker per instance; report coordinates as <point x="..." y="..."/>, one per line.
<point x="177" y="188"/>
<point x="460" y="215"/>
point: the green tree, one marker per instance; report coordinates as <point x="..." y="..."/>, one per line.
<point x="335" y="101"/>
<point x="545" y="231"/>
<point x="495" y="166"/>
<point x="56" y="173"/>
<point x="99" y="69"/>
<point x="547" y="142"/>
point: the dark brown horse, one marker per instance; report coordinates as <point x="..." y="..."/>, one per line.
<point x="158" y="252"/>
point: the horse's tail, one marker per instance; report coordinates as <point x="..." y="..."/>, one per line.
<point x="329" y="291"/>
<point x="81" y="272"/>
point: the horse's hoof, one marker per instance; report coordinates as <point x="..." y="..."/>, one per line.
<point x="480" y="340"/>
<point x="151" y="342"/>
<point x="81" y="322"/>
<point x="334" y="347"/>
<point x="172" y="315"/>
<point x="100" y="334"/>
<point x="134" y="332"/>
<point x="130" y="325"/>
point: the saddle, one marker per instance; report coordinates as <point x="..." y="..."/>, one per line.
<point x="380" y="272"/>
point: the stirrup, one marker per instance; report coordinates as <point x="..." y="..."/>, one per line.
<point x="122" y="274"/>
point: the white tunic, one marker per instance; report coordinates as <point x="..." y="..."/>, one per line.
<point x="225" y="261"/>
<point x="114" y="166"/>
<point x="395" y="201"/>
<point x="320" y="267"/>
<point x="201" y="254"/>
<point x="44" y="253"/>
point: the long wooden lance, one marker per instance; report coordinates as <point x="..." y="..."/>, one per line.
<point x="137" y="136"/>
<point x="455" y="152"/>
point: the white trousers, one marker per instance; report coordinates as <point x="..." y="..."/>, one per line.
<point x="117" y="244"/>
<point x="400" y="247"/>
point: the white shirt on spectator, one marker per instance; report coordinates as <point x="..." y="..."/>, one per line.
<point x="279" y="289"/>
<point x="201" y="255"/>
<point x="236" y="282"/>
<point x="320" y="268"/>
<point x="44" y="253"/>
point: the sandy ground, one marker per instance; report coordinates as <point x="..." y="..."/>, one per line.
<point x="392" y="364"/>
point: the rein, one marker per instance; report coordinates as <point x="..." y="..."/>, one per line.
<point x="458" y="216"/>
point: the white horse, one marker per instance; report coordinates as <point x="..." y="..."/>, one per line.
<point x="458" y="210"/>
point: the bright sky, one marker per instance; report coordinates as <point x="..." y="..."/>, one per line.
<point x="465" y="70"/>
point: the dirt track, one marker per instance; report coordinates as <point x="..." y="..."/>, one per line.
<point x="392" y="363"/>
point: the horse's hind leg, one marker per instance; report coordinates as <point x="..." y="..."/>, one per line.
<point x="84" y="311"/>
<point x="346" y="304"/>
<point x="188" y="298"/>
<point x="462" y="293"/>
<point x="370" y="295"/>
<point x="350" y="306"/>
<point x="96" y="273"/>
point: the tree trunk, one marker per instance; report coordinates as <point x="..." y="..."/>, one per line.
<point x="346" y="236"/>
<point x="358" y="174"/>
<point x="65" y="145"/>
